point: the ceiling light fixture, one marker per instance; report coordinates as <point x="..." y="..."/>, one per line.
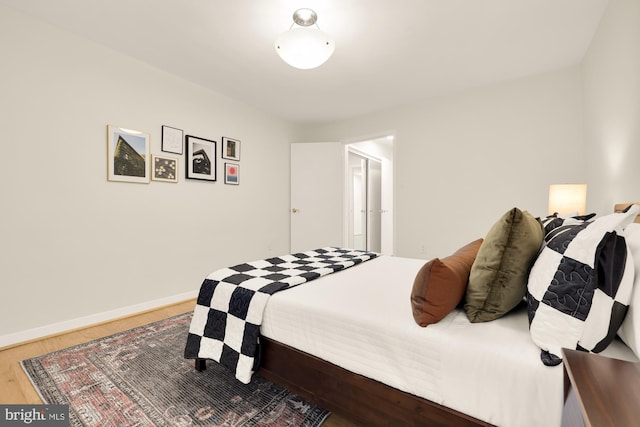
<point x="304" y="47"/>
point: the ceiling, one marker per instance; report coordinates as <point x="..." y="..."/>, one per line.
<point x="388" y="53"/>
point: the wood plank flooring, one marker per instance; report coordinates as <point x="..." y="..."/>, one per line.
<point x="15" y="387"/>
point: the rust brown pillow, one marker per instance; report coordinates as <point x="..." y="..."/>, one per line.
<point x="440" y="284"/>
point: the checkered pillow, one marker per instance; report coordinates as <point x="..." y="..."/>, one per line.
<point x="580" y="285"/>
<point x="555" y="221"/>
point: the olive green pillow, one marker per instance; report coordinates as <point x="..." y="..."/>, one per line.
<point x="499" y="274"/>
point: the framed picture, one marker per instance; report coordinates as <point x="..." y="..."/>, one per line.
<point x="231" y="173"/>
<point x="171" y="140"/>
<point x="200" y="159"/>
<point x="164" y="168"/>
<point x="127" y="155"/>
<point x="230" y="148"/>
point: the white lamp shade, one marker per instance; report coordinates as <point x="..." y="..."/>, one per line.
<point x="567" y="199"/>
<point x="304" y="47"/>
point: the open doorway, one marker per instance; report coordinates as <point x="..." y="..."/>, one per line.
<point x="369" y="211"/>
<point x="365" y="209"/>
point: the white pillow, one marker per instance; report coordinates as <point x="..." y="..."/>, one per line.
<point x="630" y="329"/>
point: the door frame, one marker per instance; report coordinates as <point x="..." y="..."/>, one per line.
<point x="388" y="237"/>
<point x="389" y="206"/>
<point x="349" y="205"/>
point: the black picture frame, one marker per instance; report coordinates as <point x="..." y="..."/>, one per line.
<point x="172" y="140"/>
<point x="200" y="159"/>
<point x="230" y="148"/>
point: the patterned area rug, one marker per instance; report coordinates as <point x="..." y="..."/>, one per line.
<point x="140" y="378"/>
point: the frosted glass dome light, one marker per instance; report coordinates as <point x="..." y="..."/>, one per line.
<point x="304" y="47"/>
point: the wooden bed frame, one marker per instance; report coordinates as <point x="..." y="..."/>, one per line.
<point x="620" y="207"/>
<point x="362" y="400"/>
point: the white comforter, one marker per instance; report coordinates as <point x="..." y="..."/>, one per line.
<point x="360" y="319"/>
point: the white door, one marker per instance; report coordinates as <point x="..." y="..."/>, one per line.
<point x="317" y="185"/>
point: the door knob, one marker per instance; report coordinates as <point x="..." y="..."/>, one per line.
<point x="294" y="210"/>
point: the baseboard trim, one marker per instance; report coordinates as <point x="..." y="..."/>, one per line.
<point x="16" y="338"/>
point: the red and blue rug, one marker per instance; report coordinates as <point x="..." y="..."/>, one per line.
<point x="140" y="378"/>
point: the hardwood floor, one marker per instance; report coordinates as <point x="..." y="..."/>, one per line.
<point x="15" y="387"/>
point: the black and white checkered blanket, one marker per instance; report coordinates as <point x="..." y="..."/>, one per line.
<point x="228" y="313"/>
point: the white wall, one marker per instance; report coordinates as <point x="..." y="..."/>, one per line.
<point x="612" y="108"/>
<point x="464" y="159"/>
<point x="461" y="161"/>
<point x="74" y="244"/>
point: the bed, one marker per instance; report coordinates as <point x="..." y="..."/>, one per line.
<point x="349" y="342"/>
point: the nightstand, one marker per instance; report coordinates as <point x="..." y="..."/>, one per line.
<point x="600" y="391"/>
